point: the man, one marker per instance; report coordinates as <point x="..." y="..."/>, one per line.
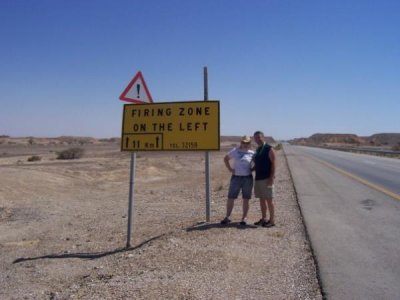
<point x="241" y="178"/>
<point x="265" y="167"/>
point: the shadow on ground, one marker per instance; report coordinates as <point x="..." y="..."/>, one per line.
<point x="88" y="256"/>
<point x="207" y="226"/>
<point x="95" y="255"/>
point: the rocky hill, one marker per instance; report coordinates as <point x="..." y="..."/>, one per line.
<point x="385" y="139"/>
<point x="380" y="139"/>
<point x="330" y="138"/>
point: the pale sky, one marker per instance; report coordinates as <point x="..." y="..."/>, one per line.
<point x="288" y="68"/>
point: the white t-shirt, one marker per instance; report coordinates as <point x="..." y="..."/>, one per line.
<point x="242" y="161"/>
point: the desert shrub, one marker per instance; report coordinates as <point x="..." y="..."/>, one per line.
<point x="71" y="153"/>
<point x="219" y="187"/>
<point x="34" y="158"/>
<point x="396" y="147"/>
<point x="278" y="147"/>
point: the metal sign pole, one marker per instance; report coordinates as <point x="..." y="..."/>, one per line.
<point x="207" y="155"/>
<point x="131" y="197"/>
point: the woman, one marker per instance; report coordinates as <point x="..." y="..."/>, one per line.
<point x="241" y="179"/>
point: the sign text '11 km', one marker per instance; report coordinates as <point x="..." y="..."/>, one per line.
<point x="190" y="126"/>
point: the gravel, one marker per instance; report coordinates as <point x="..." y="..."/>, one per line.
<point x="78" y="252"/>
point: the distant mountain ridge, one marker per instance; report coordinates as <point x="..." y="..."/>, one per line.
<point x="61" y="140"/>
<point x="79" y="140"/>
<point x="390" y="139"/>
<point x="379" y="139"/>
<point x="236" y="138"/>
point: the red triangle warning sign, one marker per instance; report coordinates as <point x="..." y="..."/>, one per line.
<point x="137" y="91"/>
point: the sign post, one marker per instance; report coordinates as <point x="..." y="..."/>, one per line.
<point x="136" y="92"/>
<point x="207" y="156"/>
<point x="130" y="203"/>
<point x="167" y="126"/>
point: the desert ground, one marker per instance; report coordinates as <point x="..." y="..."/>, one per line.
<point x="63" y="229"/>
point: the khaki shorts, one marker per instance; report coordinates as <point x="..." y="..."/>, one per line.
<point x="262" y="191"/>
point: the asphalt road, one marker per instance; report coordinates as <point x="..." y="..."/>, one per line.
<point x="354" y="228"/>
<point x="382" y="171"/>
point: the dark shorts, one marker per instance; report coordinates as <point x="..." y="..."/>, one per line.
<point x="244" y="183"/>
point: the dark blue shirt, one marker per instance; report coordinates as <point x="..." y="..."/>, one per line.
<point x="262" y="162"/>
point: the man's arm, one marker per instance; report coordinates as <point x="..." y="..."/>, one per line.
<point x="271" y="154"/>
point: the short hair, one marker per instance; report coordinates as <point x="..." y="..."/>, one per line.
<point x="258" y="133"/>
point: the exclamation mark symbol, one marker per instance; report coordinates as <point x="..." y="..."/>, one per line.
<point x="138" y="90"/>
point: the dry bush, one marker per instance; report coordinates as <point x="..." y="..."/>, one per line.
<point x="71" y="153"/>
<point x="396" y="147"/>
<point x="35" y="158"/>
<point x="219" y="187"/>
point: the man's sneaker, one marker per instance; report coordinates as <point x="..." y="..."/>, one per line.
<point x="225" y="221"/>
<point x="268" y="224"/>
<point x="260" y="222"/>
<point x="243" y="223"/>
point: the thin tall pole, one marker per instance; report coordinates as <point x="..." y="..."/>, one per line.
<point x="207" y="155"/>
<point x="131" y="198"/>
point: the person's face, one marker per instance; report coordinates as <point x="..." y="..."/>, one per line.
<point x="259" y="139"/>
<point x="245" y="145"/>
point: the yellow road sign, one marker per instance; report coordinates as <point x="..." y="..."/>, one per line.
<point x="190" y="126"/>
